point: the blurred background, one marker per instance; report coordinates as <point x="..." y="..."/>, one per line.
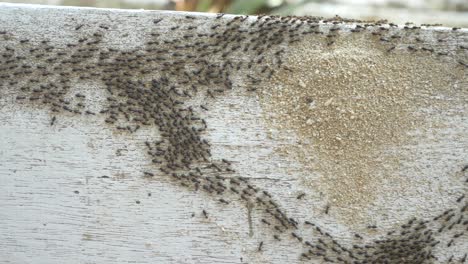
<point x="447" y="12"/>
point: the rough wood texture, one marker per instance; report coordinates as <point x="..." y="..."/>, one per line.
<point x="162" y="137"/>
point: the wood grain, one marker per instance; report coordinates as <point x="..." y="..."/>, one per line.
<point x="76" y="191"/>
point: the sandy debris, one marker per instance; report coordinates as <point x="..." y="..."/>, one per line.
<point x="347" y="104"/>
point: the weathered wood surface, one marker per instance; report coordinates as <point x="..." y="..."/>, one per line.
<point x="370" y="124"/>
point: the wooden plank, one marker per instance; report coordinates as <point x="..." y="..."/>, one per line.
<point x="345" y="124"/>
